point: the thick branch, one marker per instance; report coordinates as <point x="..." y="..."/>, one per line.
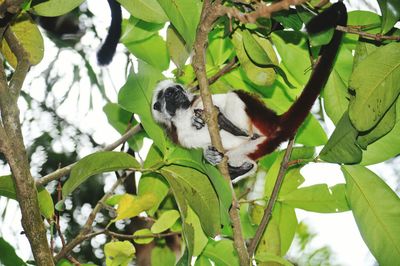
<point x="209" y="15"/>
<point x="15" y="153"/>
<point x="67" y="169"/>
<point x="271" y="202"/>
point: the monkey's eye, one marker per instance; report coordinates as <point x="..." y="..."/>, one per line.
<point x="157" y="106"/>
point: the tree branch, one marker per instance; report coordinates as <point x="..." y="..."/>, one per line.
<point x="271" y="202"/>
<point x="87" y="228"/>
<point x="67" y="169"/>
<point x="376" y="37"/>
<point x="15" y="153"/>
<point x="209" y="14"/>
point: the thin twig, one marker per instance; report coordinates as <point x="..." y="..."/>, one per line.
<point x="67" y="169"/>
<point x="271" y="202"/>
<point x="376" y="37"/>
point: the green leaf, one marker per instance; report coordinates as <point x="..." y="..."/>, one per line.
<point x="382" y="128"/>
<point x="258" y="75"/>
<point x="289" y="19"/>
<point x="136" y="96"/>
<point x="144" y="240"/>
<point x="97" y="163"/>
<point x="147" y="10"/>
<point x="193" y="187"/>
<point x="32" y="43"/>
<point x="258" y="49"/>
<point x="384" y="148"/>
<point x="267" y="257"/>
<point x="55" y="8"/>
<point x="184" y="15"/>
<point x="342" y="146"/>
<point x="46" y="204"/>
<point x="335" y="93"/>
<point x="165" y="221"/>
<point x="119" y="253"/>
<point x="152" y="50"/>
<point x="376" y="209"/>
<point x="176" y="47"/>
<point x="222" y="253"/>
<point x="317" y="198"/>
<point x="130" y="206"/>
<point x="292" y="49"/>
<point x="375" y="93"/>
<point x="281" y="230"/>
<point x="134" y="30"/>
<point x="7" y="188"/>
<point x="219" y="49"/>
<point x="120" y="119"/>
<point x="153" y="183"/>
<point x="8" y="257"/>
<point x="162" y="256"/>
<point x="390" y="13"/>
<point x="202" y="261"/>
<point x="370" y="22"/>
<point x="199" y="238"/>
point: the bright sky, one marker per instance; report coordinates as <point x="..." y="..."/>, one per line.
<point x="339" y="231"/>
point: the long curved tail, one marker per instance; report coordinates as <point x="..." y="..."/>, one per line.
<point x="333" y="16"/>
<point x="107" y="50"/>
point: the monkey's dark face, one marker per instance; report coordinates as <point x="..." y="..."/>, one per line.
<point x="169" y="97"/>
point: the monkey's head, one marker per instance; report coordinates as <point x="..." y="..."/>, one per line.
<point x="168" y="98"/>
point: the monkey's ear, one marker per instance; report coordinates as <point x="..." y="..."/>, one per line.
<point x="107" y="50"/>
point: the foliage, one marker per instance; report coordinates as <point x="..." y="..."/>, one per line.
<point x="186" y="200"/>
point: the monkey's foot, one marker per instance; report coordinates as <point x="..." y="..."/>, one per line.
<point x="212" y="155"/>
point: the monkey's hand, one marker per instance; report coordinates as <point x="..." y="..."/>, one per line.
<point x="212" y="155"/>
<point x="197" y="119"/>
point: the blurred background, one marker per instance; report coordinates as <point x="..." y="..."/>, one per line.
<point x="63" y="120"/>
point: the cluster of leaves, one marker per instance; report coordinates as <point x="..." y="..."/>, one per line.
<point x="360" y="98"/>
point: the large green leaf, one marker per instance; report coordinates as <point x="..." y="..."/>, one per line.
<point x="193" y="187"/>
<point x="152" y="50"/>
<point x="184" y="15"/>
<point x="375" y="82"/>
<point x="54" y="8"/>
<point x="268" y="257"/>
<point x="222" y="253"/>
<point x="376" y="209"/>
<point x="342" y="146"/>
<point x="119" y="253"/>
<point x="147" y="10"/>
<point x="135" y="30"/>
<point x="136" y="96"/>
<point x="318" y="198"/>
<point x="96" y="163"/>
<point x="8" y="257"/>
<point x="390" y="13"/>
